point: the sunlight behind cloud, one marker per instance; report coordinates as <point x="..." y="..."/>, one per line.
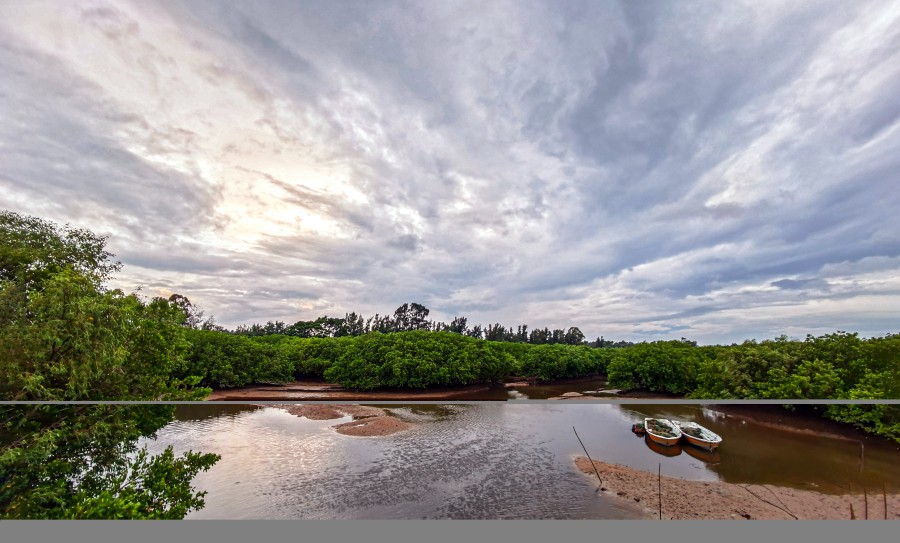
<point x="638" y="170"/>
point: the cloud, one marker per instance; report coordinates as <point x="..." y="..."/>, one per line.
<point x="637" y="170"/>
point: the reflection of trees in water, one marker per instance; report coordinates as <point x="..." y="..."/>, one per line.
<point x="82" y="461"/>
<point x="436" y="411"/>
<point x="196" y="412"/>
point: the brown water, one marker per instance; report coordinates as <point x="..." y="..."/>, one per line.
<point x="486" y="460"/>
<point x="596" y="387"/>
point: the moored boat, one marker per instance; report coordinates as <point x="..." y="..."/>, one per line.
<point x="698" y="435"/>
<point x="662" y="431"/>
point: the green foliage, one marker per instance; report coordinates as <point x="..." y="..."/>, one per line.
<point x="225" y="360"/>
<point x="147" y="488"/>
<point x="813" y="379"/>
<point x="32" y="250"/>
<point x="417" y="360"/>
<point x="83" y="461"/>
<point x="63" y="336"/>
<point x="312" y="356"/>
<point x="661" y="366"/>
<point x="552" y="362"/>
<point x="838" y="365"/>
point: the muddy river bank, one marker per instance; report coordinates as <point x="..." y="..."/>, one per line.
<point x="319" y="390"/>
<point x="667" y="497"/>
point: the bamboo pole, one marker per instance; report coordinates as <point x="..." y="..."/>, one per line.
<point x="589" y="458"/>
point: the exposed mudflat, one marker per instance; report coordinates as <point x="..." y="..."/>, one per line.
<point x="320" y="390"/>
<point x="368" y="421"/>
<point x="311" y="389"/>
<point x="685" y="499"/>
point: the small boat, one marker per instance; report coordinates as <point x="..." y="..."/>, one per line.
<point x="662" y="431"/>
<point x="698" y="435"/>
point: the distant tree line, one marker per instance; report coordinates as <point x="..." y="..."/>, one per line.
<point x="411" y="317"/>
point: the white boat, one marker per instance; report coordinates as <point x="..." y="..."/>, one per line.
<point x="662" y="431"/>
<point x="698" y="435"/>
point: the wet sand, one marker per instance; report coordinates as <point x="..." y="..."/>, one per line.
<point x="703" y="500"/>
<point x="367" y="421"/>
<point x="321" y="390"/>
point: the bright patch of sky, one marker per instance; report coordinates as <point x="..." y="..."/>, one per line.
<point x="641" y="170"/>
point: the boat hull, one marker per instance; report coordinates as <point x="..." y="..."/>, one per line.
<point x="667" y="441"/>
<point x="710" y="440"/>
<point x="703" y="444"/>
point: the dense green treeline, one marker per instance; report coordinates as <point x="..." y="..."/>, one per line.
<point x="839" y="365"/>
<point x="401" y="360"/>
<point x="834" y="366"/>
<point x="407" y="318"/>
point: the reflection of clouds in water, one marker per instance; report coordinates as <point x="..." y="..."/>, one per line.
<point x="458" y="461"/>
<point x="479" y="461"/>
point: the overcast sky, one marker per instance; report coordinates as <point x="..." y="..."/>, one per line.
<point x="641" y="170"/>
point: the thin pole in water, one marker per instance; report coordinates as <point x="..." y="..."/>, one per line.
<point x="659" y="488"/>
<point x="589" y="458"/>
<point x="866" y="502"/>
<point x="884" y="495"/>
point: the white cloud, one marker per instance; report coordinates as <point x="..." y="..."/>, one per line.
<point x="639" y="171"/>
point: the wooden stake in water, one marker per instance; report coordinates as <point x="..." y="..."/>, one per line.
<point x="866" y="504"/>
<point x="659" y="488"/>
<point x="589" y="458"/>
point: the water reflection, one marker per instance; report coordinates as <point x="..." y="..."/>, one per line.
<point x="595" y="387"/>
<point x="84" y="461"/>
<point x="703" y="455"/>
<point x="458" y="461"/>
<point x="486" y="460"/>
<point x="756" y="453"/>
<point x="664" y="450"/>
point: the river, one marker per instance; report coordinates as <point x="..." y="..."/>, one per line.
<point x="495" y="460"/>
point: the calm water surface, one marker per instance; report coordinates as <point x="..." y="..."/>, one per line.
<point x="485" y="460"/>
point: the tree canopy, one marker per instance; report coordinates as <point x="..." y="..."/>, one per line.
<point x="64" y="336"/>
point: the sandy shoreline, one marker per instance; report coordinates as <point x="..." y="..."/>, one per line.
<point x="705" y="500"/>
<point x="319" y="390"/>
<point x="367" y="421"/>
